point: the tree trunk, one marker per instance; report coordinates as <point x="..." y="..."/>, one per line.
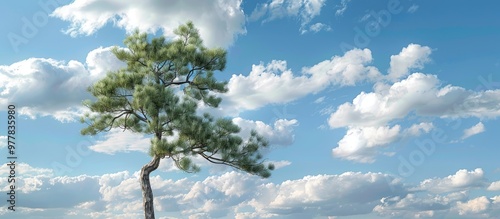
<point x="147" y="192"/>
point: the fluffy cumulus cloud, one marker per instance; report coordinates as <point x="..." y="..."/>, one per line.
<point x="461" y="180"/>
<point x="30" y="82"/>
<point x="37" y="185"/>
<point x="494" y="186"/>
<point x="413" y="56"/>
<point x="331" y="195"/>
<point x="420" y="94"/>
<point x="418" y="206"/>
<point x="275" y="83"/>
<point x="474" y="130"/>
<point x="281" y="133"/>
<point x="398" y="95"/>
<point x="473" y="206"/>
<point x="320" y="195"/>
<point x="219" y="22"/>
<point x="239" y="195"/>
<point x="362" y="144"/>
<point x="304" y="10"/>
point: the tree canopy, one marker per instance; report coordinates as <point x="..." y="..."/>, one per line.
<point x="158" y="93"/>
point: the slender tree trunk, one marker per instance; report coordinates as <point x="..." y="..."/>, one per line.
<point x="147" y="192"/>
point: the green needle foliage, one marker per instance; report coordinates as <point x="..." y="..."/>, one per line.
<point x="157" y="94"/>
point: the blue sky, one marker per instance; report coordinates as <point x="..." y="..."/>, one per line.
<point x="374" y="109"/>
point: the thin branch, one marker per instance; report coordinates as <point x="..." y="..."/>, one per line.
<point x="113" y="120"/>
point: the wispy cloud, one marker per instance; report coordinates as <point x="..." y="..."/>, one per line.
<point x="304" y="10"/>
<point x="342" y="7"/>
<point x="474" y="130"/>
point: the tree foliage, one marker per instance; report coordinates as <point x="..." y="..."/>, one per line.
<point x="157" y="94"/>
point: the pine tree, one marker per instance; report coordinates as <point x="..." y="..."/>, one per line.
<point x="157" y="94"/>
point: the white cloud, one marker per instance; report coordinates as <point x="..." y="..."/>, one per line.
<point x="281" y="133"/>
<point x="275" y="83"/>
<point x="342" y="7"/>
<point x="101" y="60"/>
<point x="415" y="206"/>
<point x="37" y="185"/>
<point x="362" y="144"/>
<point x="117" y="140"/>
<point x="47" y="87"/>
<point x="461" y="180"/>
<point x="494" y="186"/>
<point x="219" y="22"/>
<point x="496" y="199"/>
<point x="310" y="196"/>
<point x="304" y="10"/>
<point x="346" y="70"/>
<point x="227" y="195"/>
<point x="413" y="56"/>
<point x="29" y="179"/>
<point x="216" y="195"/>
<point x="26" y="170"/>
<point x="419" y="93"/>
<point x="322" y="195"/>
<point x="240" y="195"/>
<point x="476" y="205"/>
<point x="474" y="130"/>
<point x="418" y="129"/>
<point x="317" y="27"/>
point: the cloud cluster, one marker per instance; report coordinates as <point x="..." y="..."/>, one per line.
<point x="304" y="10"/>
<point x="239" y="195"/>
<point x="419" y="206"/>
<point x="30" y="82"/>
<point x="219" y="22"/>
<point x="398" y="95"/>
<point x="461" y="180"/>
<point x="275" y="83"/>
<point x="421" y="95"/>
<point x="474" y="206"/>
